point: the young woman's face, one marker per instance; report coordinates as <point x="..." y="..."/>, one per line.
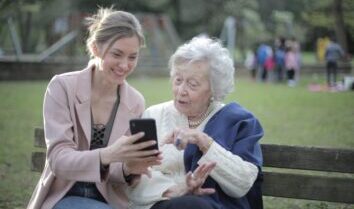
<point x="120" y="59"/>
<point x="191" y="88"/>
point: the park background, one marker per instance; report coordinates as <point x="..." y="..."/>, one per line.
<point x="41" y="38"/>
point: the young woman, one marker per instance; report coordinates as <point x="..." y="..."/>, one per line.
<point x="90" y="155"/>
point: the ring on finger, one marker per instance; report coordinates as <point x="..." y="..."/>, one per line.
<point x="178" y="142"/>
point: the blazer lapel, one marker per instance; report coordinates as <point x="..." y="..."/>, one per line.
<point x="119" y="127"/>
<point x="123" y="114"/>
<point x="83" y="105"/>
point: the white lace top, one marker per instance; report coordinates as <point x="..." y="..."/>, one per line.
<point x="234" y="175"/>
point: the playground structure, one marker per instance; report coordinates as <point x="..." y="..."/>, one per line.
<point x="228" y="35"/>
<point x="161" y="40"/>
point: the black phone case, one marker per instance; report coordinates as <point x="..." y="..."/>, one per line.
<point x="146" y="125"/>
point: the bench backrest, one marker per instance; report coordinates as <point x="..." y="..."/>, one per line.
<point x="296" y="174"/>
<point x="289" y="171"/>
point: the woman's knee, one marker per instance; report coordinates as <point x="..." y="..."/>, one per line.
<point x="186" y="202"/>
<point x="75" y="202"/>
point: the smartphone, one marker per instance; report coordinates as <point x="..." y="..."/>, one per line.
<point x="146" y="125"/>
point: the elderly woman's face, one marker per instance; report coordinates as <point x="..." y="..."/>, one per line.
<point x="191" y="88"/>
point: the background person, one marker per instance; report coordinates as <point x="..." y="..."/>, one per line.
<point x="251" y="63"/>
<point x="264" y="59"/>
<point x="86" y="116"/>
<point x="334" y="52"/>
<point x="197" y="128"/>
<point x="279" y="57"/>
<point x="291" y="65"/>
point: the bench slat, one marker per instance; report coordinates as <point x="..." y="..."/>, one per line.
<point x="39" y="140"/>
<point x="299" y="186"/>
<point x="38" y="161"/>
<point x="308" y="158"/>
<point x="288" y="185"/>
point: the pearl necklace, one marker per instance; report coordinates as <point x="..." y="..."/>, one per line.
<point x="196" y="123"/>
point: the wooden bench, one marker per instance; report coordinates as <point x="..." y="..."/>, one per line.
<point x="289" y="171"/>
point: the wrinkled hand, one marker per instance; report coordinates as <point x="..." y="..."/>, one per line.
<point x="196" y="179"/>
<point x="194" y="182"/>
<point x="182" y="137"/>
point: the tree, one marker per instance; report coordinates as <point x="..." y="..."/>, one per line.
<point x="331" y="17"/>
<point x="25" y="14"/>
<point x="339" y="25"/>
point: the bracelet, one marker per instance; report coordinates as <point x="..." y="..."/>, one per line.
<point x="211" y="141"/>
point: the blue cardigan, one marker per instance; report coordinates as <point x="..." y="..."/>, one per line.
<point x="238" y="131"/>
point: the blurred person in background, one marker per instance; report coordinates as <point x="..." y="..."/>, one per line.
<point x="333" y="54"/>
<point x="265" y="61"/>
<point x="279" y="57"/>
<point x="291" y="65"/>
<point x="251" y="63"/>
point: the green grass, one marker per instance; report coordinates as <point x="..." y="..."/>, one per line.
<point x="20" y="105"/>
<point x="289" y="116"/>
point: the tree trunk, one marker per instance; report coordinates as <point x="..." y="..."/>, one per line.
<point x="177" y="8"/>
<point x="26" y="32"/>
<point x="339" y="27"/>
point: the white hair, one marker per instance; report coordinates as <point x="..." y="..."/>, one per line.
<point x="211" y="51"/>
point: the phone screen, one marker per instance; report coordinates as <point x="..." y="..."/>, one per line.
<point x="146" y="125"/>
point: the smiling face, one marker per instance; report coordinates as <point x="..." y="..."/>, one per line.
<point x="119" y="59"/>
<point x="191" y="88"/>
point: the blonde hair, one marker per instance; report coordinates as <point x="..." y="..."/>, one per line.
<point x="108" y="25"/>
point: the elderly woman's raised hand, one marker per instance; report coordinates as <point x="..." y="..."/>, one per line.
<point x="196" y="179"/>
<point x="194" y="182"/>
<point x="182" y="137"/>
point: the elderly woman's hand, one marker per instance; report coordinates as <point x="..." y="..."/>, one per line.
<point x="194" y="183"/>
<point x="182" y="137"/>
<point x="196" y="179"/>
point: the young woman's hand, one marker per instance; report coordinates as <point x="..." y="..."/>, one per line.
<point x="124" y="150"/>
<point x="141" y="166"/>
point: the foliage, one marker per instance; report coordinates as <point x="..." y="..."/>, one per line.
<point x="320" y="19"/>
<point x="25" y="15"/>
<point x="257" y="20"/>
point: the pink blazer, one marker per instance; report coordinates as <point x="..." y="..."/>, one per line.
<point x="67" y="126"/>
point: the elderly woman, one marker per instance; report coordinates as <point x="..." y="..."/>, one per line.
<point x="196" y="128"/>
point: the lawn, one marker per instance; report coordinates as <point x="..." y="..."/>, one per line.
<point x="289" y="116"/>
